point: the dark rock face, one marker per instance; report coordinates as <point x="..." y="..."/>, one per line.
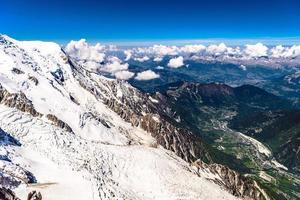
<point x="34" y="80"/>
<point x="58" y="75"/>
<point x="59" y="123"/>
<point x="179" y="140"/>
<point x="34" y="195"/>
<point x="17" y="71"/>
<point x="74" y="100"/>
<point x="7" y="194"/>
<point x="237" y="184"/>
<point x="89" y="115"/>
<point x="18" y="101"/>
<point x="6" y="139"/>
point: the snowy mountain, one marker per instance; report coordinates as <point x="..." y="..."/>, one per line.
<point x="69" y="133"/>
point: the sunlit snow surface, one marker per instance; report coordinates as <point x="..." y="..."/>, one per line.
<point x="94" y="162"/>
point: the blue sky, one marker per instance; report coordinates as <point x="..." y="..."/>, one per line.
<point x="150" y="20"/>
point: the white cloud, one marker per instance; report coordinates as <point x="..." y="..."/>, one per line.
<point x="143" y="59"/>
<point x="176" y="62"/>
<point x="113" y="59"/>
<point x="233" y="51"/>
<point x="161" y="50"/>
<point x="128" y="54"/>
<point x="90" y="56"/>
<point x="294" y="51"/>
<point x="243" y="67"/>
<point x="124" y="75"/>
<point x="285" y="52"/>
<point x="216" y="49"/>
<point x="192" y="48"/>
<point x="158" y="50"/>
<point x="81" y="50"/>
<point x="278" y="51"/>
<point x="114" y="65"/>
<point x="159" y="67"/>
<point x="158" y="59"/>
<point x="165" y="50"/>
<point x="146" y="75"/>
<point x="256" y="50"/>
<point x="111" y="48"/>
<point x="91" y="65"/>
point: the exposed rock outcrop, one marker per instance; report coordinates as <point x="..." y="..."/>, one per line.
<point x="17" y="100"/>
<point x="17" y="71"/>
<point x="7" y="194"/>
<point x="237" y="184"/>
<point x="181" y="141"/>
<point x="34" y="80"/>
<point x="59" y="123"/>
<point x="34" y="195"/>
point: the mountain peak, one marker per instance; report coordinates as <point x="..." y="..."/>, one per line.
<point x="94" y="130"/>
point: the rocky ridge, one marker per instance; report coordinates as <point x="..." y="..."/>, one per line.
<point x="142" y="110"/>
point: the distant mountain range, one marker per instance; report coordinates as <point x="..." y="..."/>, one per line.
<point x="225" y="116"/>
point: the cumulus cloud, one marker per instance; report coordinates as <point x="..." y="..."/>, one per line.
<point x="243" y="67"/>
<point x="233" y="51"/>
<point x="91" y="65"/>
<point x="159" y="67"/>
<point x="146" y="75"/>
<point x="285" y="52"/>
<point x="294" y="51"/>
<point x="143" y="59"/>
<point x="159" y="50"/>
<point x="278" y="51"/>
<point x="248" y="51"/>
<point x="157" y="59"/>
<point x="124" y="75"/>
<point x="256" y="50"/>
<point x="216" y="49"/>
<point x="113" y="59"/>
<point x="176" y="62"/>
<point x="81" y="50"/>
<point x="114" y="65"/>
<point x="128" y="54"/>
<point x="93" y="56"/>
<point x="192" y="48"/>
<point x="165" y="50"/>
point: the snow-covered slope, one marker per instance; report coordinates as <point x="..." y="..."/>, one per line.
<point x="59" y="139"/>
